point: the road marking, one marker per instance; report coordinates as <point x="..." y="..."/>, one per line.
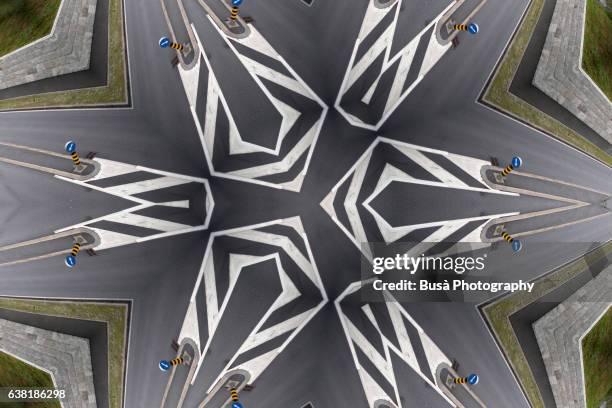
<point x="145" y="186"/>
<point x="111" y="239"/>
<point x="382" y="46"/>
<point x="384" y="364"/>
<point x="289" y="115"/>
<point x="142" y="221"/>
<point x="390" y="174"/>
<point x="290" y="292"/>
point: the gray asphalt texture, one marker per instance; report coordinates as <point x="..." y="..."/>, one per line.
<point x="158" y="131"/>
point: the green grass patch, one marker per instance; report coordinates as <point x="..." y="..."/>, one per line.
<point x="25" y="21"/>
<point x="16" y="373"/>
<point x="498" y="315"/>
<point x="597" y="358"/>
<point x="113" y="93"/>
<point x="113" y="314"/>
<point x="597" y="48"/>
<point x="498" y="94"/>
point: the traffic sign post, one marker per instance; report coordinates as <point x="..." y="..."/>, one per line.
<point x="164" y="365"/>
<point x="514" y="164"/>
<point x="514" y="243"/>
<point x="471" y="28"/>
<point x="70" y="148"/>
<point x="234" y="11"/>
<point x="165" y="42"/>
<point x="234" y="397"/>
<point x="70" y="261"/>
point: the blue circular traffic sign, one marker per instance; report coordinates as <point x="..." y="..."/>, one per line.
<point x="473" y="28"/>
<point x="517" y="162"/>
<point x="236" y="2"/>
<point x="164" y="42"/>
<point x="70" y="146"/>
<point x="70" y="261"/>
<point x="472" y="379"/>
<point x="517" y="245"/>
<point x="236" y="404"/>
<point x="164" y="365"/>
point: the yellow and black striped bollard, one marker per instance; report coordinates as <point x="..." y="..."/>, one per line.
<point x="70" y="147"/>
<point x="471" y="379"/>
<point x="516" y="244"/>
<point x="165" y="42"/>
<point x="75" y="159"/>
<point x="234" y="397"/>
<point x="70" y="260"/>
<point x="165" y="365"/>
<point x="471" y="28"/>
<point x="234" y="10"/>
<point x="176" y="361"/>
<point x="507" y="170"/>
<point x="75" y="249"/>
<point x="515" y="164"/>
<point x="234" y="13"/>
<point x="234" y="394"/>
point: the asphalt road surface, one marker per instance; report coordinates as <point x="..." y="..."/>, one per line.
<point x="159" y="132"/>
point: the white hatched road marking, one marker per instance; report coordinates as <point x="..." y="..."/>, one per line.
<point x="256" y="365"/>
<point x="146" y="185"/>
<point x="390" y="174"/>
<point x="111" y="239"/>
<point x="383" y="44"/>
<point x="289" y="115"/>
<point x="383" y="364"/>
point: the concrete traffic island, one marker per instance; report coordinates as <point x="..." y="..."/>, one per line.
<point x="66" y="357"/>
<point x="560" y="74"/>
<point x="65" y="50"/>
<point x="559" y="334"/>
<point x="218" y="10"/>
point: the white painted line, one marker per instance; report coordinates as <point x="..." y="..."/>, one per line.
<point x="289" y="292"/>
<point x="104" y="217"/>
<point x="176" y="204"/>
<point x="144" y="186"/>
<point x="86" y="185"/>
<point x="110" y="168"/>
<point x="384" y="43"/>
<point x="137" y="220"/>
<point x="289" y="115"/>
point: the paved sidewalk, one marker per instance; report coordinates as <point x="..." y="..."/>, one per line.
<point x="559" y="334"/>
<point x="559" y="73"/>
<point x="66" y="50"/>
<point x="66" y="357"/>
